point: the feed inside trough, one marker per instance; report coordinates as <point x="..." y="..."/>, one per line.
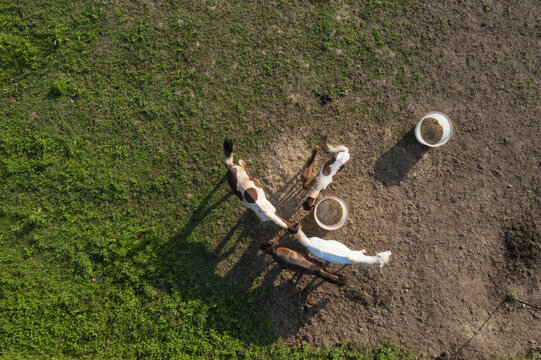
<point x="431" y="130"/>
<point x="329" y="212"/>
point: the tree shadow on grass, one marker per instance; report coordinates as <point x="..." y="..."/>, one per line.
<point x="395" y="164"/>
<point x="188" y="265"/>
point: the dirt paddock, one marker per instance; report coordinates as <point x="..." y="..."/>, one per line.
<point x="462" y="220"/>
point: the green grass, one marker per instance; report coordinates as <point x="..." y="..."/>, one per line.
<point x="111" y="186"/>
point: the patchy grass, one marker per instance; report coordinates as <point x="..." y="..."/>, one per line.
<point x="111" y="187"/>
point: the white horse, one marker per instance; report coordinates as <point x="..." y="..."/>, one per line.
<point x="336" y="252"/>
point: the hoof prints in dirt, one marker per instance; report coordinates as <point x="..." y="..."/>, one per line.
<point x="523" y="242"/>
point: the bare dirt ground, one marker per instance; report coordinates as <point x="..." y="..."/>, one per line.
<point x="462" y="221"/>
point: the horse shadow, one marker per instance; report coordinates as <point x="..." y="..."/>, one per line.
<point x="394" y="165"/>
<point x="288" y="200"/>
<point x="293" y="309"/>
<point x="192" y="265"/>
<point x="287" y="300"/>
<point x="289" y="197"/>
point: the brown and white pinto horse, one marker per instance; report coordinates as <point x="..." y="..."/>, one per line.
<point x="306" y="173"/>
<point x="293" y="260"/>
<point x="249" y="190"/>
<point x="328" y="173"/>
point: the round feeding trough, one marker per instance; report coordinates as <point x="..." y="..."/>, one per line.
<point x="331" y="213"/>
<point x="434" y="129"/>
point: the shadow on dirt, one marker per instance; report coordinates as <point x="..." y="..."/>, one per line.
<point x="457" y="354"/>
<point x="286" y="301"/>
<point x="188" y="265"/>
<point x="289" y="198"/>
<point x="395" y="164"/>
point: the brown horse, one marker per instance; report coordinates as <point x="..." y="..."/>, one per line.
<point x="293" y="260"/>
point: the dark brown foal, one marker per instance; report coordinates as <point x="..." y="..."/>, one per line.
<point x="293" y="260"/>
